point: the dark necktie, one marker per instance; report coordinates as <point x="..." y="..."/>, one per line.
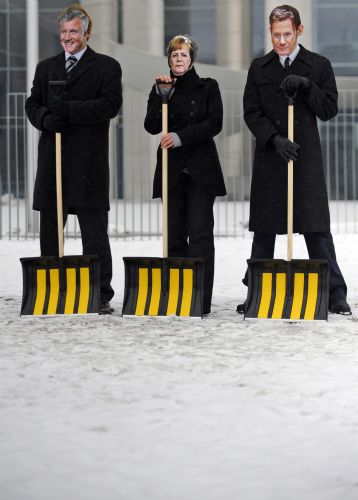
<point x="71" y="63"/>
<point x="287" y="63"/>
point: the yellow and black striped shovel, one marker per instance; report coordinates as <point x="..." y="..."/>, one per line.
<point x="64" y="284"/>
<point x="288" y="290"/>
<point x="165" y="286"/>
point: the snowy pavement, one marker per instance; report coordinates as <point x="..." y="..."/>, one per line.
<point x="116" y="408"/>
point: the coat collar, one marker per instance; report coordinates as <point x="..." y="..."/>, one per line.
<point x="58" y="66"/>
<point x="189" y="78"/>
<point x="272" y="68"/>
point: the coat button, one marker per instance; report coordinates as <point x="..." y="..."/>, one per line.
<point x="191" y="113"/>
<point x="278" y="122"/>
<point x="192" y="102"/>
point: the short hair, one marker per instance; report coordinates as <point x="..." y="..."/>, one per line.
<point x="76" y="10"/>
<point x="283" y="12"/>
<point x="180" y="40"/>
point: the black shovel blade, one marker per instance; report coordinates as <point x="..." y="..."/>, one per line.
<point x="66" y="285"/>
<point x="288" y="290"/>
<point x="163" y="287"/>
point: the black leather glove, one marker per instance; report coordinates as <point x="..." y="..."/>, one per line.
<point x="285" y="148"/>
<point x="292" y="83"/>
<point x="59" y="107"/>
<point x="54" y="123"/>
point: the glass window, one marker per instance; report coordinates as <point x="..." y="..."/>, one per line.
<point x="335" y="34"/>
<point x="196" y="18"/>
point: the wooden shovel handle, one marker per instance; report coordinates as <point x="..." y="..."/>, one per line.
<point x="59" y="195"/>
<point x="165" y="181"/>
<point x="290" y="186"/>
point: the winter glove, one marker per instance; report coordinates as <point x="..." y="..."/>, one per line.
<point x="164" y="88"/>
<point x="59" y="107"/>
<point x="292" y="83"/>
<point x="285" y="148"/>
<point x="54" y="123"/>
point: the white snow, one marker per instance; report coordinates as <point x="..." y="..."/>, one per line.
<point x="116" y="408"/>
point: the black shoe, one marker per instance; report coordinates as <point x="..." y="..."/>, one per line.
<point x="105" y="308"/>
<point x="241" y="308"/>
<point x="340" y="307"/>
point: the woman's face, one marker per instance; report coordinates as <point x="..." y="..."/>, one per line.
<point x="180" y="60"/>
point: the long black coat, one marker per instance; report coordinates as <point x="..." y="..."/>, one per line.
<point x="95" y="96"/>
<point x="195" y="113"/>
<point x="265" y="112"/>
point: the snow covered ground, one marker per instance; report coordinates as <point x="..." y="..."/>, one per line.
<point x="116" y="408"/>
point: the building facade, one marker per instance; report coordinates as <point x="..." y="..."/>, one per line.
<point x="230" y="34"/>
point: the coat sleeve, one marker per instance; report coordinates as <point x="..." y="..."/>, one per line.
<point x="153" y="118"/>
<point x="259" y="124"/>
<point x="34" y="105"/>
<point x="104" y="106"/>
<point x="198" y="133"/>
<point x="322" y="96"/>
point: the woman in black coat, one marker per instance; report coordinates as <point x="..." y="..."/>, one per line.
<point x="194" y="172"/>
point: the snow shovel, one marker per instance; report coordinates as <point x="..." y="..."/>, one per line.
<point x="291" y="290"/>
<point x="63" y="284"/>
<point x="165" y="286"/>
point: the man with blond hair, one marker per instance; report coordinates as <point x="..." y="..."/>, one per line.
<point x="81" y="112"/>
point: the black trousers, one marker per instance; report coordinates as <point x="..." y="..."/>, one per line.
<point x="94" y="225"/>
<point x="191" y="229"/>
<point x="319" y="246"/>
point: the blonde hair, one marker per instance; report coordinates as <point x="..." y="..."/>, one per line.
<point x="177" y="42"/>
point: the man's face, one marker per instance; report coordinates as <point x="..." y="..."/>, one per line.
<point x="284" y="36"/>
<point x="71" y="36"/>
<point x="180" y="60"/>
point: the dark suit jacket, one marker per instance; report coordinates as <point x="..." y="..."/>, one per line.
<point x="94" y="94"/>
<point x="196" y="115"/>
<point x="265" y="112"/>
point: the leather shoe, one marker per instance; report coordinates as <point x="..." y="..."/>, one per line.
<point x="241" y="308"/>
<point x="340" y="307"/>
<point x="105" y="307"/>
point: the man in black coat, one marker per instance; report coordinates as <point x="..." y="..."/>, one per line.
<point x="91" y="97"/>
<point x="287" y="70"/>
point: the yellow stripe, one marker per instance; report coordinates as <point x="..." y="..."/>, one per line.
<point x="280" y="296"/>
<point x="40" y="291"/>
<point x="311" y="295"/>
<point x="142" y="291"/>
<point x="156" y="291"/>
<point x="54" y="291"/>
<point x="299" y="279"/>
<point x="70" y="290"/>
<point x="173" y="292"/>
<point x="265" y="295"/>
<point x="84" y="290"/>
<point x="187" y="292"/>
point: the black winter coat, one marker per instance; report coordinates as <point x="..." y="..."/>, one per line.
<point x="94" y="94"/>
<point x="265" y="112"/>
<point x="195" y="113"/>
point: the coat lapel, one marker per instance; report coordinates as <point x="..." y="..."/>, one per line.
<point x="302" y="65"/>
<point x="272" y="69"/>
<point x="57" y="69"/>
<point x="82" y="66"/>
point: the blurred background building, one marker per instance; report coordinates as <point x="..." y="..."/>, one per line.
<point x="136" y="32"/>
